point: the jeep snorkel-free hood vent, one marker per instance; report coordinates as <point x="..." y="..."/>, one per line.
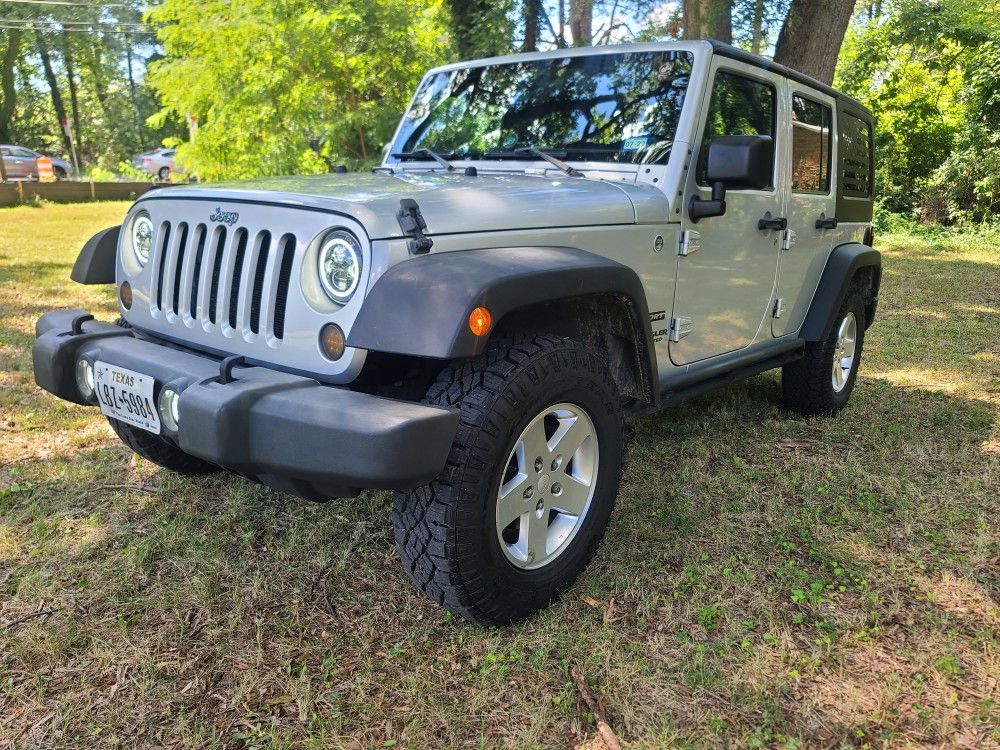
<point x="451" y="203"/>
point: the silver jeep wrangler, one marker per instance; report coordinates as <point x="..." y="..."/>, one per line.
<point x="553" y="242"/>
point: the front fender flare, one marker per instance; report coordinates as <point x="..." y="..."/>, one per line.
<point x="421" y="306"/>
<point x="844" y="262"/>
<point x="96" y="262"/>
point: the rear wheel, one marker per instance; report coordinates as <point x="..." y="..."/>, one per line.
<point x="822" y="381"/>
<point x="529" y="486"/>
<point x="164" y="174"/>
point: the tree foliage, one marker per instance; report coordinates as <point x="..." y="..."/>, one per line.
<point x="930" y="71"/>
<point x="83" y="63"/>
<point x="291" y="86"/>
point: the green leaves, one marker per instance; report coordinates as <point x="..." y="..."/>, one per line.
<point x="269" y="81"/>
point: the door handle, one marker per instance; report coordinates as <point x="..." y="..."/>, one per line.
<point x="777" y="224"/>
<point x="824" y="223"/>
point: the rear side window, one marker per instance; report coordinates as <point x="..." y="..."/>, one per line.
<point x="740" y="106"/>
<point x="855" y="157"/>
<point x="811" y="123"/>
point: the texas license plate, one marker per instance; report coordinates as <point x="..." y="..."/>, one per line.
<point x="126" y="395"/>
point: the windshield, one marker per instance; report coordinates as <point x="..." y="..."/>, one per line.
<point x="620" y="107"/>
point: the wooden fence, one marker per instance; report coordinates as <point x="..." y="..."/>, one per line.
<point x="15" y="193"/>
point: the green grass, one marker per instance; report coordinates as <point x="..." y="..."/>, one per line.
<point x="767" y="581"/>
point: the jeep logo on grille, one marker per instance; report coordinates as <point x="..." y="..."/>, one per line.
<point x="224" y="217"/>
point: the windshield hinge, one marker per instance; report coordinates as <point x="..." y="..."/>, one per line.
<point x="411" y="221"/>
<point x="690" y="243"/>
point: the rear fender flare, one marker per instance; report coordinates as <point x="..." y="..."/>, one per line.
<point x="844" y="262"/>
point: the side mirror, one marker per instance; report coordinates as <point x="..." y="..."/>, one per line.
<point x="735" y="162"/>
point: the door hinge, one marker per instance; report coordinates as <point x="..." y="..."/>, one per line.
<point x="779" y="308"/>
<point x="788" y="239"/>
<point x="690" y="243"/>
<point x="680" y="327"/>
<point x="411" y="221"/>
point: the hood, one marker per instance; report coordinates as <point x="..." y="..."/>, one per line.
<point x="450" y="203"/>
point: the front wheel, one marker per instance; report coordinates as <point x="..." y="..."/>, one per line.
<point x="159" y="451"/>
<point x="529" y="486"/>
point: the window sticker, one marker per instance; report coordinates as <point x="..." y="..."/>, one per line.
<point x="636" y="143"/>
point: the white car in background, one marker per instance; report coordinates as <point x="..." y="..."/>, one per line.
<point x="159" y="163"/>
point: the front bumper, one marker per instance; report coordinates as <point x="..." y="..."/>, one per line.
<point x="288" y="431"/>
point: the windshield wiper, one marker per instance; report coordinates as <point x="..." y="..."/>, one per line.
<point x="529" y="152"/>
<point x="425" y="154"/>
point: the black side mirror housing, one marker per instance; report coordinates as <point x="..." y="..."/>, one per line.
<point x="735" y="162"/>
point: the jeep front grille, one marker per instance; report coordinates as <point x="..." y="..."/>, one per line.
<point x="223" y="277"/>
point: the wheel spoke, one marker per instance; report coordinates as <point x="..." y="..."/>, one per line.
<point x="570" y="435"/>
<point x="848" y="348"/>
<point x="574" y="496"/>
<point x="514" y="487"/>
<point x="510" y="510"/>
<point x="537" y="535"/>
<point x="533" y="445"/>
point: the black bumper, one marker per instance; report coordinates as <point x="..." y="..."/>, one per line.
<point x="288" y="431"/>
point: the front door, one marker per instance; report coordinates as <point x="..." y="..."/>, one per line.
<point x="812" y="205"/>
<point x="726" y="271"/>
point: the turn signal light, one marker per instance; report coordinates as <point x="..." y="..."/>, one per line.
<point x="332" y="341"/>
<point x="125" y="295"/>
<point x="480" y="321"/>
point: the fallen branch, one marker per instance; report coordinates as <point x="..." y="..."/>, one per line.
<point x="32" y="616"/>
<point x="605" y="730"/>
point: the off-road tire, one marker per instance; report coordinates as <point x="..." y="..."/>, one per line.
<point x="806" y="384"/>
<point x="446" y="530"/>
<point x="159" y="451"/>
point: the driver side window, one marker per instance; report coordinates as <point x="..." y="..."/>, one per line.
<point x="739" y="106"/>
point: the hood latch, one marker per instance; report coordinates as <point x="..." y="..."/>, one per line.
<point x="411" y="221"/>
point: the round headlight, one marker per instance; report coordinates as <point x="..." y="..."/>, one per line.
<point x="340" y="266"/>
<point x="142" y="237"/>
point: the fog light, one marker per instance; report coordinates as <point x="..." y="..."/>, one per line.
<point x="85" y="378"/>
<point x="125" y="295"/>
<point x="169" y="406"/>
<point x="332" y="341"/>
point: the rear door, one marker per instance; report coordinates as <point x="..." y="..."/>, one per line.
<point x="811" y="208"/>
<point x="725" y="282"/>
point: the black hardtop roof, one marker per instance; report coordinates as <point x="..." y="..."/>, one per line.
<point x="735" y="53"/>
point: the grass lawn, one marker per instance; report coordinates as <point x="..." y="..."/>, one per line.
<point x="767" y="581"/>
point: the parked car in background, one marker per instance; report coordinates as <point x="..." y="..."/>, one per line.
<point x="137" y="158"/>
<point x="159" y="163"/>
<point x="21" y="163"/>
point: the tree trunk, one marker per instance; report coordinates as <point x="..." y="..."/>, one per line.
<point x="57" y="100"/>
<point x="757" y="41"/>
<point x="8" y="93"/>
<point x="811" y="36"/>
<point x="532" y="14"/>
<point x="74" y="100"/>
<point x="581" y="22"/>
<point x="96" y="69"/>
<point x="708" y="19"/>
